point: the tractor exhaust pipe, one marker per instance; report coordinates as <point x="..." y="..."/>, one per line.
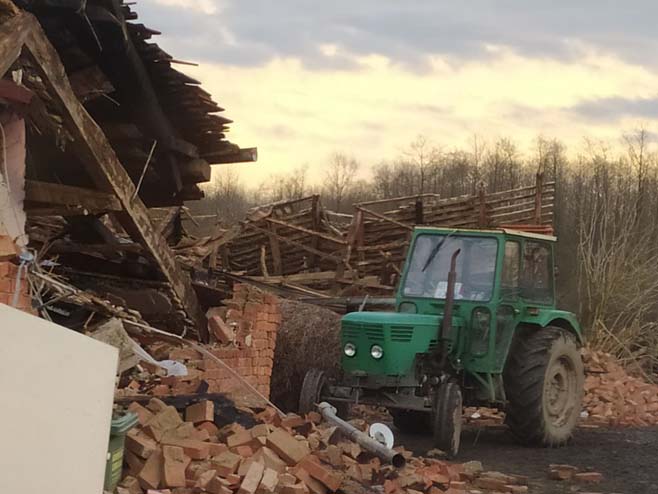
<point x="365" y="441"/>
<point x="446" y="324"/>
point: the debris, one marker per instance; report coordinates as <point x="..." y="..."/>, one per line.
<point x="615" y="398"/>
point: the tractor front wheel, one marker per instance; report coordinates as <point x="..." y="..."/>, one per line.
<point x="544" y="386"/>
<point x="315" y="382"/>
<point x="447" y="418"/>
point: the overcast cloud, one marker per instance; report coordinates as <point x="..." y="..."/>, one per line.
<point x="249" y="32"/>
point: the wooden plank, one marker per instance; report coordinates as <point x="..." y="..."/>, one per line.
<point x="385" y="218"/>
<point x="248" y="155"/>
<point x="307" y="231"/>
<point x="13" y="32"/>
<point x="324" y="255"/>
<point x="103" y="166"/>
<point x="68" y="195"/>
<point x="275" y="249"/>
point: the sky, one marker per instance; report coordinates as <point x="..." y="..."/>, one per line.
<point x="302" y="80"/>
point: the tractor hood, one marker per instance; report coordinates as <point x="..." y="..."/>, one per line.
<point x="399" y="335"/>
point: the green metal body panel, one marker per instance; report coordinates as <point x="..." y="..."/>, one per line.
<point x="482" y="330"/>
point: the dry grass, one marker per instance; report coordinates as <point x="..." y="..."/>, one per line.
<point x="309" y="337"/>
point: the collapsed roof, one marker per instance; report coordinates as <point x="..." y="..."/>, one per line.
<point x="160" y="122"/>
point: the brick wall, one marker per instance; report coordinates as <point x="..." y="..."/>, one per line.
<point x="8" y="279"/>
<point x="255" y="318"/>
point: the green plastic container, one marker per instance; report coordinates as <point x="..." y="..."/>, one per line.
<point x="120" y="426"/>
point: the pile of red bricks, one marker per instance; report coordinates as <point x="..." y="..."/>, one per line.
<point x="245" y="332"/>
<point x="286" y="455"/>
<point x="613" y="397"/>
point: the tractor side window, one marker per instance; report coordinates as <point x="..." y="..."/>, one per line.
<point x="509" y="283"/>
<point x="536" y="277"/>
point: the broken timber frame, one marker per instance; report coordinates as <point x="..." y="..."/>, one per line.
<point x="22" y="33"/>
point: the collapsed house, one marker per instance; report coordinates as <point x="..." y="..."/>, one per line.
<point x="100" y="133"/>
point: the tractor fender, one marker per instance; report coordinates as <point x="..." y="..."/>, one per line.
<point x="557" y="318"/>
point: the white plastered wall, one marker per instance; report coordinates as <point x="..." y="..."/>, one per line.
<point x="56" y="391"/>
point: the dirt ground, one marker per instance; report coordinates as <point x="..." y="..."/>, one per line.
<point x="628" y="458"/>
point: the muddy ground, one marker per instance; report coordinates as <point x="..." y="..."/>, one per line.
<point x="628" y="458"/>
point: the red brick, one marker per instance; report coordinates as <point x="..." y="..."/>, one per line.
<point x="239" y="438"/>
<point x="270" y="459"/>
<point x="252" y="479"/>
<point x="135" y="463"/>
<point x="175" y="462"/>
<point x="205" y="478"/>
<point x="315" y="486"/>
<point x="208" y="426"/>
<point x="151" y="474"/>
<point x="196" y="450"/>
<point x="204" y="411"/>
<point x="299" y="488"/>
<point x="269" y="482"/>
<point x="156" y="405"/>
<point x="220" y="330"/>
<point x="217" y="449"/>
<point x="330" y="479"/>
<point x="140" y="444"/>
<point x="163" y="421"/>
<point x="287" y="447"/>
<point x="143" y="414"/>
<point x="218" y="486"/>
<point x="226" y="463"/>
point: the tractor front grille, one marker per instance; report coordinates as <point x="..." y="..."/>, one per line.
<point x="374" y="332"/>
<point x="401" y="334"/>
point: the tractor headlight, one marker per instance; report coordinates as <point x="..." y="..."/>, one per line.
<point x="376" y="352"/>
<point x="349" y="349"/>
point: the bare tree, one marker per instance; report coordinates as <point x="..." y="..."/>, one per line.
<point x="340" y="175"/>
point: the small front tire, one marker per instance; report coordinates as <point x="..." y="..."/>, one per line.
<point x="447" y="418"/>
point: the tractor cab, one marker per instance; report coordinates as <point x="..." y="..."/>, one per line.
<point x="468" y="301"/>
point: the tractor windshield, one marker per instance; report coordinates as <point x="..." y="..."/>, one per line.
<point x="429" y="265"/>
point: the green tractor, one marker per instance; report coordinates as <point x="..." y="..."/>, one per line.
<point x="475" y="324"/>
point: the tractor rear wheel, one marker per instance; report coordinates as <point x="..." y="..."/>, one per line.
<point x="544" y="386"/>
<point x="409" y="421"/>
<point x="310" y="395"/>
<point x="447" y="418"/>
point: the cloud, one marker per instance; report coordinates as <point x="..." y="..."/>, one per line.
<point x="616" y="108"/>
<point x="405" y="32"/>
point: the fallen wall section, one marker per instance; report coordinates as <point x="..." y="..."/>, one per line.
<point x="251" y="319"/>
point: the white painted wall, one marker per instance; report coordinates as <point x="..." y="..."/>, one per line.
<point x="56" y="395"/>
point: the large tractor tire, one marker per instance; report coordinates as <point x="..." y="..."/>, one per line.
<point x="310" y="395"/>
<point x="409" y="421"/>
<point x="447" y="418"/>
<point x="544" y="386"/>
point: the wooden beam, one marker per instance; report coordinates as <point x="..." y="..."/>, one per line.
<point x="13" y="32"/>
<point x="195" y="171"/>
<point x="67" y="195"/>
<point x="276" y="250"/>
<point x="385" y="218"/>
<point x="247" y="155"/>
<point x="307" y="231"/>
<point x="103" y="166"/>
<point x="294" y="242"/>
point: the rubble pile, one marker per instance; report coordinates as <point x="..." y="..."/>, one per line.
<point x="289" y="454"/>
<point x="615" y="398"/>
<point x="245" y="333"/>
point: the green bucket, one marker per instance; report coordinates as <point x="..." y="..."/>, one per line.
<point x="113" y="467"/>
